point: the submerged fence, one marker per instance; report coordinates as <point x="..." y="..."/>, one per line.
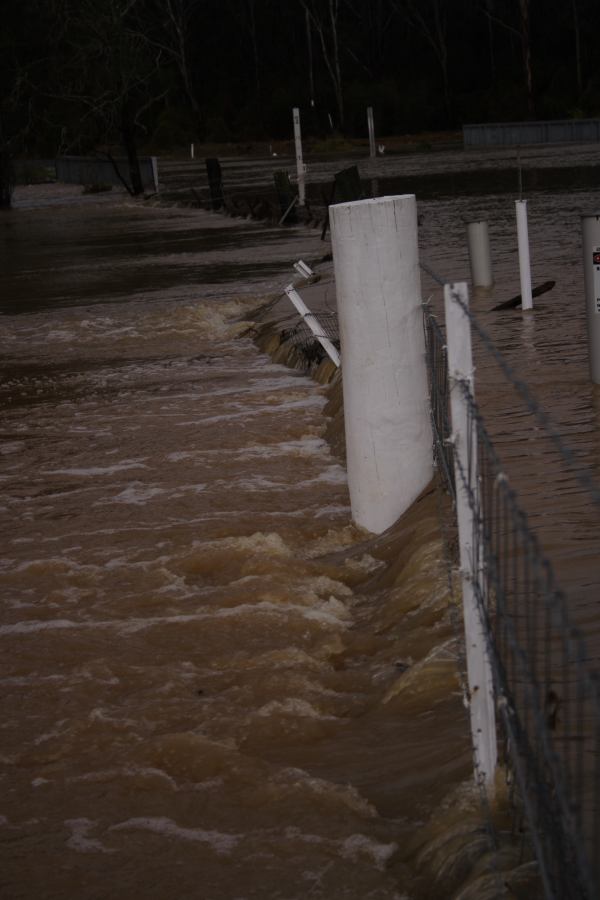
<point x="547" y="693"/>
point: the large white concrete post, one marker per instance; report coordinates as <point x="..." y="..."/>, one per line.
<point x="591" y="271"/>
<point x="386" y="400"/>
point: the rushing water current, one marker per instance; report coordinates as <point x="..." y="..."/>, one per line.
<point x="198" y="697"/>
<point x="213" y="685"/>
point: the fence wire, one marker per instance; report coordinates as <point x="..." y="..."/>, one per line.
<point x="548" y="694"/>
<point x="306" y="340"/>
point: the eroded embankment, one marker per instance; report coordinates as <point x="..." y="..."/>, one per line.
<point x="407" y="632"/>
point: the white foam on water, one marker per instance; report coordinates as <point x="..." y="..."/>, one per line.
<point x="79" y="840"/>
<point x="137" y="494"/>
<point x="345" y="794"/>
<point x="12" y="447"/>
<point x="358" y="845"/>
<point x="335" y="509"/>
<point x="98" y="470"/>
<point x="218" y="841"/>
<point x="57" y="731"/>
<point x="330" y="613"/>
<point x="309" y="446"/>
<point x="292" y="706"/>
<point x="353" y="848"/>
<point x="308" y="402"/>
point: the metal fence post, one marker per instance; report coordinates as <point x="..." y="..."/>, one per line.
<point x="479" y="675"/>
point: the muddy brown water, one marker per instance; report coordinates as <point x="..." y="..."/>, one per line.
<point x="214" y="685"/>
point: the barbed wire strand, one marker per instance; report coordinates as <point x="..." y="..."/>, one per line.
<point x="583" y="476"/>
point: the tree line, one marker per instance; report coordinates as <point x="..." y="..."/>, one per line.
<point x="90" y="75"/>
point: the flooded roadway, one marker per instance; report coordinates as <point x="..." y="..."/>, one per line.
<point x="202" y="688"/>
<point x="214" y="686"/>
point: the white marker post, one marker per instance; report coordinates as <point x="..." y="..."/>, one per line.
<point x="591" y="271"/>
<point x="191" y="151"/>
<point x="479" y="674"/>
<point x="524" y="261"/>
<point x="371" y="124"/>
<point x="299" y="161"/>
<point x="386" y="397"/>
<point x="479" y="254"/>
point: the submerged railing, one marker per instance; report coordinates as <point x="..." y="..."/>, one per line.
<point x="546" y="690"/>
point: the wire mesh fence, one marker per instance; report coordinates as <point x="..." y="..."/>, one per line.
<point x="306" y="340"/>
<point x="547" y="691"/>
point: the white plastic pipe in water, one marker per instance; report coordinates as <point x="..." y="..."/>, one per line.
<point x="299" y="160"/>
<point x="479" y="254"/>
<point x="524" y="261"/>
<point x="591" y="271"/>
<point x="386" y="399"/>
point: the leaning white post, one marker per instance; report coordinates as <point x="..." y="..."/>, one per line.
<point x="371" y="124"/>
<point x="479" y="254"/>
<point x="299" y="161"/>
<point x="524" y="262"/>
<point x="313" y="324"/>
<point x="386" y="401"/>
<point x="479" y="674"/>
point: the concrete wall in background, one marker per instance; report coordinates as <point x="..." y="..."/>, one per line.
<point x="93" y="170"/>
<point x="559" y="131"/>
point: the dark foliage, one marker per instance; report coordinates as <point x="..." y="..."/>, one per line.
<point x="101" y="73"/>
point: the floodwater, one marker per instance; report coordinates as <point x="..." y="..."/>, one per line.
<point x="214" y="686"/>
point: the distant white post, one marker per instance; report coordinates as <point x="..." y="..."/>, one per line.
<point x="479" y="675"/>
<point x="371" y="124"/>
<point x="524" y="261"/>
<point x="591" y="271"/>
<point x="479" y="254"/>
<point x="191" y="151"/>
<point x="386" y="399"/>
<point x="299" y="161"/>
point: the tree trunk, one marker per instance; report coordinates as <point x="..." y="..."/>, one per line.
<point x="526" y="55"/>
<point x="129" y="143"/>
<point x="578" y="66"/>
<point x="7" y="175"/>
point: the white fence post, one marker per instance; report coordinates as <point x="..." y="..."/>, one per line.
<point x="299" y="161"/>
<point x="479" y="254"/>
<point x="479" y="675"/>
<point x="591" y="271"/>
<point x="386" y="397"/>
<point x="371" y="124"/>
<point x="524" y="261"/>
